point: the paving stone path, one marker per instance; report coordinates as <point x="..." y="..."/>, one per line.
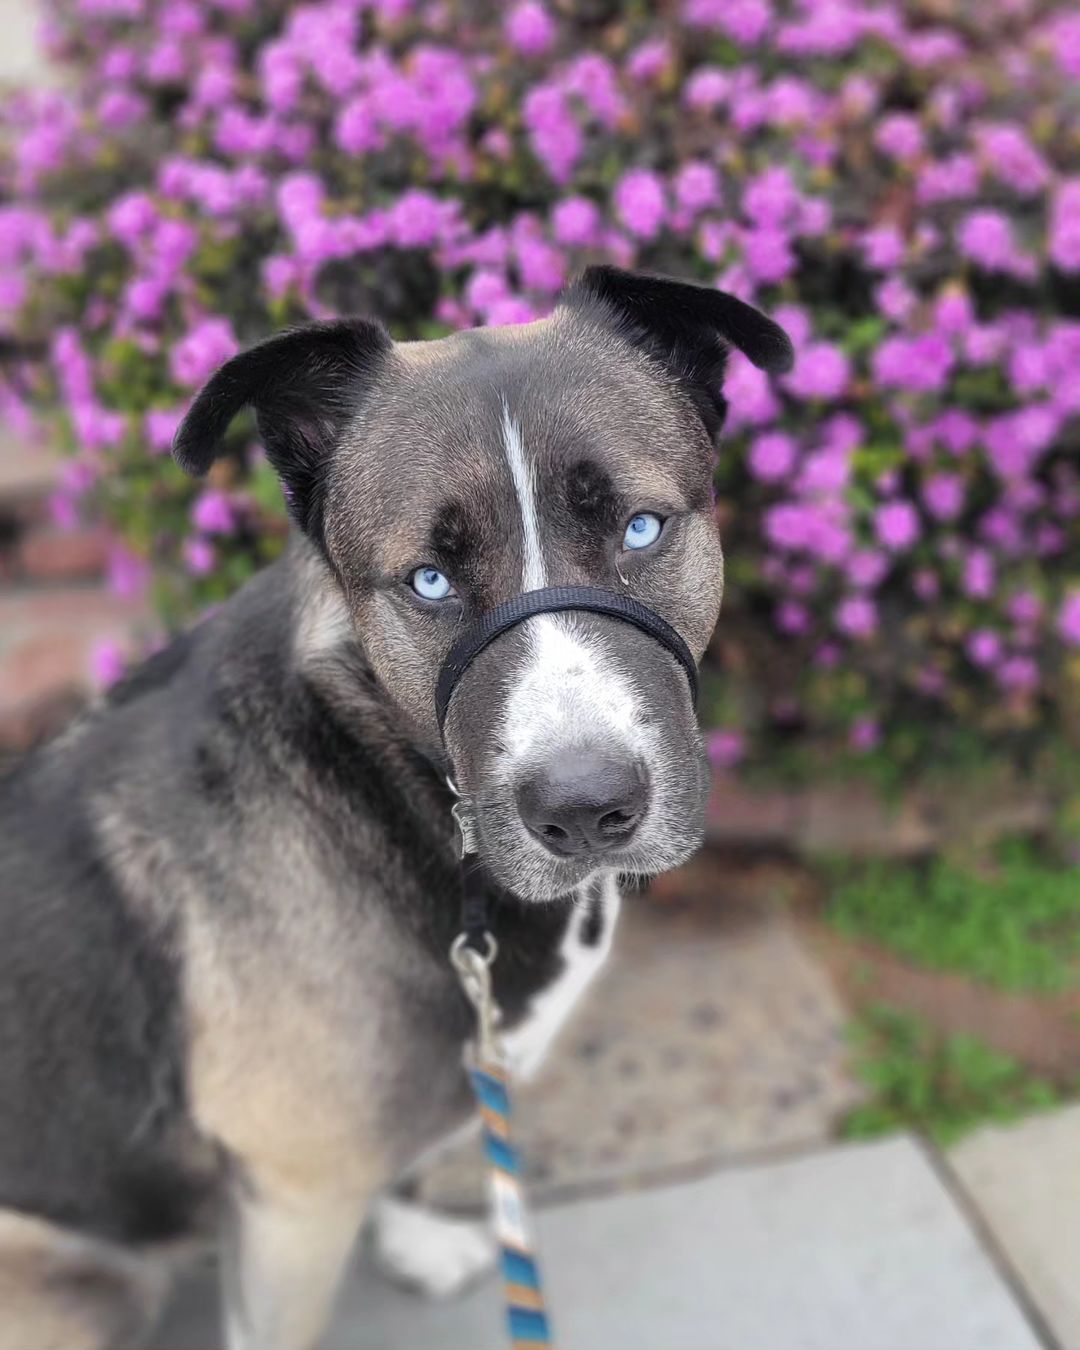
<point x="691" y="1196"/>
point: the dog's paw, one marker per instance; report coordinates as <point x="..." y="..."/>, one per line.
<point x="427" y="1251"/>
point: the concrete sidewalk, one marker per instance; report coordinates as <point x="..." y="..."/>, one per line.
<point x="856" y="1247"/>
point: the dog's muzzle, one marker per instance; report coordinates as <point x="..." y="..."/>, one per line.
<point x="478" y="636"/>
<point x="552" y="600"/>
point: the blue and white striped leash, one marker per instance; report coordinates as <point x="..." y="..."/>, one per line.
<point x="486" y="1064"/>
<point x="475" y="948"/>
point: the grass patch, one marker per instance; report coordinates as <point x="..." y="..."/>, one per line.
<point x="1013" y="923"/>
<point x="939" y="1086"/>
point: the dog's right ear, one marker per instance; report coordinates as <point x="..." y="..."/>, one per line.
<point x="304" y="385"/>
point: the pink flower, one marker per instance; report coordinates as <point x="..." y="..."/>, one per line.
<point x="953" y="312"/>
<point x="530" y="29"/>
<point x="554" y="134"/>
<point x="920" y="364"/>
<point x="768" y="255"/>
<point x="944" y="496"/>
<point x="120" y="108"/>
<point x="900" y="136"/>
<point x="793" y="618"/>
<point x="1010" y="156"/>
<point x="771" y="198"/>
<point x="487" y="288"/>
<point x="160" y="425"/>
<point x="512" y="310"/>
<point x="986" y="237"/>
<point x="1019" y="674"/>
<point x="772" y="457"/>
<point x="128" y="574"/>
<point x="199" y="353"/>
<point x="726" y="747"/>
<point x="594" y="80"/>
<point x="199" y="556"/>
<point x="575" y="222"/>
<point x="131" y="217"/>
<point x="97" y="428"/>
<point x="649" y="60"/>
<point x="640" y="204"/>
<point x="896" y="525"/>
<point x="696" y="186"/>
<point x="357" y="129"/>
<point x="953" y="178"/>
<point x="750" y="397"/>
<point x="984" y="648"/>
<point x="1025" y="609"/>
<point x="979" y="576"/>
<point x="895" y="299"/>
<point x="883" y="247"/>
<point x="707" y="88"/>
<point x="865" y="735"/>
<point x="418" y="218"/>
<point x="107" y="662"/>
<point x="856" y="617"/>
<point x="541" y="266"/>
<point x="956" y="430"/>
<point x="744" y="21"/>
<point x="821" y="371"/>
<point x="866" y="570"/>
<point x="279" y="273"/>
<point x="213" y="512"/>
<point x="1068" y="622"/>
<point x="1063" y="244"/>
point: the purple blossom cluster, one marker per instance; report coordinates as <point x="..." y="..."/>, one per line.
<point x="902" y="511"/>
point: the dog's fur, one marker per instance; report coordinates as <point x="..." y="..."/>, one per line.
<point x="229" y="891"/>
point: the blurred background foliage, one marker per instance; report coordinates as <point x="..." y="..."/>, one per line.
<point x="896" y="183"/>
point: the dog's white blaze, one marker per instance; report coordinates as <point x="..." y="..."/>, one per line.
<point x="568" y="695"/>
<point x="532" y="578"/>
<point x="528" y="1043"/>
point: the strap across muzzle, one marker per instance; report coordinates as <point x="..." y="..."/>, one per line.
<point x="552" y="600"/>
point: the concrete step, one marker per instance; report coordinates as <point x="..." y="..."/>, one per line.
<point x="853" y="1248"/>
<point x="1024" y="1180"/>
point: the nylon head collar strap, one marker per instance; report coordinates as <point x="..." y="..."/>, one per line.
<point x="551" y="600"/>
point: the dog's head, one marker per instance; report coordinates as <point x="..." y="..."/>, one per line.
<point x="440" y="478"/>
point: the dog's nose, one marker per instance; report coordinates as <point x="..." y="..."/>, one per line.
<point x="584" y="803"/>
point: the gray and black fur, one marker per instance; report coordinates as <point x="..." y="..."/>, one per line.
<point x="228" y="892"/>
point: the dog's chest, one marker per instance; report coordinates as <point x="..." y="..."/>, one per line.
<point x="583" y="950"/>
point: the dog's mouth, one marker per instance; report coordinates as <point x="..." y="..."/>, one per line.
<point x="552" y="830"/>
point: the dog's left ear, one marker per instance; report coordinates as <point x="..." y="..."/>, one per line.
<point x="689" y="329"/>
<point x="304" y="385"/>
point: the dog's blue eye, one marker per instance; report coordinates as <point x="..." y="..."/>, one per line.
<point x="642" y="531"/>
<point x="430" y="583"/>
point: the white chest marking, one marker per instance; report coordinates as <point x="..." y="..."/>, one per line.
<point x="528" y="1043"/>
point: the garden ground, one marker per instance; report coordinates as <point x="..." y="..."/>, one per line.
<point x="693" y="1193"/>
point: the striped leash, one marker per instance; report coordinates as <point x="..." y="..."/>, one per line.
<point x="485" y="1062"/>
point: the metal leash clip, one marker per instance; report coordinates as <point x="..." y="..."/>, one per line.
<point x="463" y="820"/>
<point x="474" y="971"/>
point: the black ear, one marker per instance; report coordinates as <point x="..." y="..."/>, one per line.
<point x="689" y="329"/>
<point x="304" y="385"/>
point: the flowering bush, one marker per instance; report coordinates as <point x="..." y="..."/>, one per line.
<point x="896" y="183"/>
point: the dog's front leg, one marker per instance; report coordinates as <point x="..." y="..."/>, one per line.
<point x="283" y="1254"/>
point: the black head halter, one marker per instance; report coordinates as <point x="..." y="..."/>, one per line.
<point x="489" y="626"/>
<point x="551" y="600"/>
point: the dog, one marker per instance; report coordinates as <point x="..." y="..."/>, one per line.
<point x="228" y="891"/>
